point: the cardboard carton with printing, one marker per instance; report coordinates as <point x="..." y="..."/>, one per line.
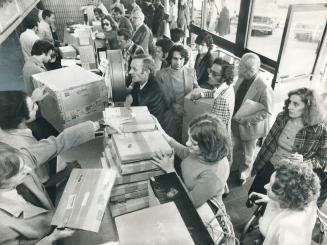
<point x="67" y="52"/>
<point x="192" y="109"/>
<point x="75" y="95"/>
<point x="84" y="199"/>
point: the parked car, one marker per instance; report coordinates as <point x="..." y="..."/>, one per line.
<point x="263" y="25"/>
<point x="308" y="32"/>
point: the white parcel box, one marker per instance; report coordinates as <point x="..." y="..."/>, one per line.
<point x="75" y="95"/>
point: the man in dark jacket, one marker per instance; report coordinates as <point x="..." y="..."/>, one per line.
<point x="142" y="33"/>
<point x="146" y="91"/>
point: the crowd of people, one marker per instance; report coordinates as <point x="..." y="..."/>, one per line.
<point x="289" y="169"/>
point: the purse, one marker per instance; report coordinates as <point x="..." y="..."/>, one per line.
<point x="319" y="230"/>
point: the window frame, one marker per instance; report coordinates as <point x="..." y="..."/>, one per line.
<point x="239" y="47"/>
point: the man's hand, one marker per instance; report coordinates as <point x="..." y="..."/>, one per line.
<point x="196" y="96"/>
<point x="59" y="234"/>
<point x="39" y="94"/>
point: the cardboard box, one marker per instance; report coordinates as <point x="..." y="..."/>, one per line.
<point x="129" y="187"/>
<point x="136" y="118"/>
<point x="128" y="196"/>
<point x="84" y="199"/>
<point x="131" y="147"/>
<point x="192" y="109"/>
<point x="87" y="57"/>
<point x="75" y="95"/>
<point x="129" y="206"/>
<point x="67" y="52"/>
<point x="168" y="188"/>
<point x="159" y="225"/>
<point x="80" y="37"/>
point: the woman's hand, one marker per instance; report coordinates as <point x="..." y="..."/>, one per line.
<point x="296" y="157"/>
<point x="161" y="130"/>
<point x="60" y="233"/>
<point x="259" y="198"/>
<point x="163" y="161"/>
<point x="100" y="35"/>
<point x="39" y="94"/>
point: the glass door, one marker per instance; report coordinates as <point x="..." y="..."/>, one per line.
<point x="303" y="34"/>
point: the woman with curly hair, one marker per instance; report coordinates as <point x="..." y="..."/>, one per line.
<point x="291" y="210"/>
<point x="300" y="134"/>
<point x="204" y="167"/>
<point x="204" y="58"/>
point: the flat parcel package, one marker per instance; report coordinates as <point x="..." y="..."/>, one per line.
<point x="75" y="95"/>
<point x="85" y="199"/>
<point x="159" y="225"/>
<point x="131" y="147"/>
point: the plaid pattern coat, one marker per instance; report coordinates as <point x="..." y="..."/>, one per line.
<point x="310" y="141"/>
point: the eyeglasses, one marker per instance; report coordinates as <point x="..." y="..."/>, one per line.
<point x="106" y="24"/>
<point x="214" y="73"/>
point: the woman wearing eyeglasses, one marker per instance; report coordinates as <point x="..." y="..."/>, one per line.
<point x="109" y="34"/>
<point x="291" y="211"/>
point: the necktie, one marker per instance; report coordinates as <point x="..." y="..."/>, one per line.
<point x="29" y="196"/>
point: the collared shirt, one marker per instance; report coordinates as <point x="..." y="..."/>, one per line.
<point x="241" y="92"/>
<point x="27" y="39"/>
<point x="223" y="105"/>
<point x="45" y="32"/>
<point x="143" y="85"/>
<point x="32" y="66"/>
<point x="310" y="141"/>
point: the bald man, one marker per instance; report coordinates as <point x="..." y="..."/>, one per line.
<point x="250" y="86"/>
<point x="142" y="33"/>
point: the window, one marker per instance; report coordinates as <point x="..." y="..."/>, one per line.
<point x="222" y="18"/>
<point x="267" y="25"/>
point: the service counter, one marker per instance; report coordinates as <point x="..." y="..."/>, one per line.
<point x="88" y="155"/>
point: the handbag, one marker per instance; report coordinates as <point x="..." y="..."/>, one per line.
<point x="319" y="230"/>
<point x="256" y="131"/>
<point x="217" y="222"/>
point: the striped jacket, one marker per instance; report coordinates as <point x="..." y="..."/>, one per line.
<point x="310" y="141"/>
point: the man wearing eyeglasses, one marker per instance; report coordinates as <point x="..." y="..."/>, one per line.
<point x="221" y="75"/>
<point x="250" y="86"/>
<point x="142" y="33"/>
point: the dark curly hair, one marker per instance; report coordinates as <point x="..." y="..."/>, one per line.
<point x="178" y="48"/>
<point x="206" y="38"/>
<point x="227" y="72"/>
<point x="296" y="185"/>
<point x="13" y="109"/>
<point x="212" y="137"/>
<point x="313" y="112"/>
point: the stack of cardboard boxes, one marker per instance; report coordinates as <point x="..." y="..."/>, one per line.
<point x="75" y="95"/>
<point x="130" y="153"/>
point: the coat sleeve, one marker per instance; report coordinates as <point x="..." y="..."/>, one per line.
<point x="319" y="160"/>
<point x="46" y="149"/>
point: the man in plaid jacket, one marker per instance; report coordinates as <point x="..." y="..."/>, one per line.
<point x="220" y="78"/>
